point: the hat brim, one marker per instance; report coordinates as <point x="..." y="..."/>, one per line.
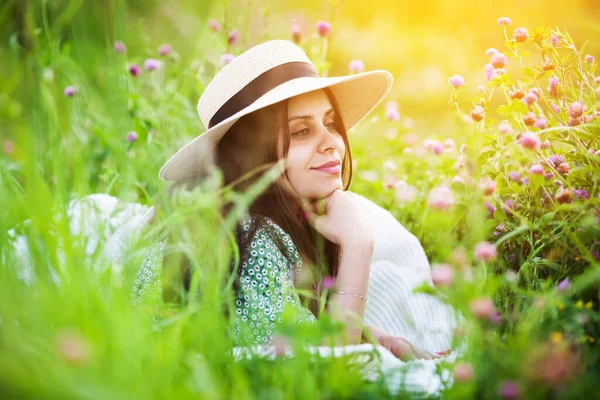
<point x="356" y="95"/>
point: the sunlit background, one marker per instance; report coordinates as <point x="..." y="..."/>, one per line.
<point x="80" y="113"/>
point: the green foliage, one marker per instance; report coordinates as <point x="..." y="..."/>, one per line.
<point x="72" y="332"/>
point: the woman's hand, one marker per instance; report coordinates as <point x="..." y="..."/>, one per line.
<point x="401" y="347"/>
<point x="341" y="219"/>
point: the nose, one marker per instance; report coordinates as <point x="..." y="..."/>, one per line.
<point x="328" y="140"/>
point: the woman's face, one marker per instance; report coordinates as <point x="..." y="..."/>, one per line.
<point x="314" y="141"/>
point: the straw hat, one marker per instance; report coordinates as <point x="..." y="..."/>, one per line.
<point x="263" y="75"/>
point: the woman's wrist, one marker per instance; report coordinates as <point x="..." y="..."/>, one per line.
<point x="359" y="244"/>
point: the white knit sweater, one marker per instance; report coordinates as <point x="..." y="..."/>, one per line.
<point x="399" y="264"/>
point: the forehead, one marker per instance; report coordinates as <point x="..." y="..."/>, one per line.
<point x="315" y="103"/>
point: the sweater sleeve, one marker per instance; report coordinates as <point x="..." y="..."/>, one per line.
<point x="267" y="286"/>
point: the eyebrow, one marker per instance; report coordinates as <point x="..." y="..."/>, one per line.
<point x="290" y="119"/>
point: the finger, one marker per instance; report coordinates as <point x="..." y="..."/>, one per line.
<point x="423" y="355"/>
<point x="445" y="352"/>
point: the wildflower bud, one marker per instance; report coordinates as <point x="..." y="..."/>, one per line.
<point x="514" y="176"/>
<point x="529" y="119"/>
<point x="463" y="148"/>
<point x="356" y="66"/>
<point x="520" y="35"/>
<point x="563" y="285"/>
<point x="458" y="180"/>
<point x="545" y="144"/>
<point x="509" y="390"/>
<point x="490" y="207"/>
<point x="481" y="89"/>
<point x="563" y="196"/>
<point x="555" y="108"/>
<point x="327" y="282"/>
<point x="576" y="110"/>
<point x="119" y="47"/>
<point x="390" y="165"/>
<point x="389" y="182"/>
<point x="131" y="136"/>
<point x="392" y="114"/>
<point x="563" y="168"/>
<point x="548" y="176"/>
<point x="509" y="205"/>
<point x="296" y="33"/>
<point x="589" y="59"/>
<point x="536" y="92"/>
<point x="489" y="72"/>
<point x="226" y="59"/>
<point x="440" y="198"/>
<point x="442" y="274"/>
<point x="529" y="99"/>
<point x="554" y="160"/>
<point x="499" y="230"/>
<point x="491" y="51"/>
<point x="151" y="64"/>
<point x="8" y="147"/>
<point x="477" y="113"/>
<point x="165" y="49"/>
<point x="540" y="124"/>
<point x="536" y="169"/>
<point x="456" y="81"/>
<point x="517" y="93"/>
<point x="214" y="25"/>
<point x="437" y="148"/>
<point x="323" y="28"/>
<point x="482" y="308"/>
<point x="449" y="144"/>
<point x="134" y="70"/>
<point x="280" y="345"/>
<point x="505" y="128"/>
<point x="405" y="193"/>
<point x="463" y="372"/>
<point x="581" y="194"/>
<point x="553" y="89"/>
<point x="498" y="60"/>
<point x="504" y="21"/>
<point x="70" y="91"/>
<point x="554" y="40"/>
<point x="233" y="37"/>
<point x="485" y="251"/>
<point x="487" y="185"/>
<point x="72" y="347"/>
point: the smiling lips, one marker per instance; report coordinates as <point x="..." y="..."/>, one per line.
<point x="331" y="167"/>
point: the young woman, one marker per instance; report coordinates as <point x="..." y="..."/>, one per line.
<point x="269" y="104"/>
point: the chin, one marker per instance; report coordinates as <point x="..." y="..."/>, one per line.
<point x="325" y="190"/>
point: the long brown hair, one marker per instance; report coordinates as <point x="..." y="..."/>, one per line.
<point x="249" y="144"/>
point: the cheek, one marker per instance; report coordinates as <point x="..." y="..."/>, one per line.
<point x="298" y="165"/>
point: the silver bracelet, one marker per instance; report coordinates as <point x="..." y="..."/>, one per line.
<point x="352" y="294"/>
